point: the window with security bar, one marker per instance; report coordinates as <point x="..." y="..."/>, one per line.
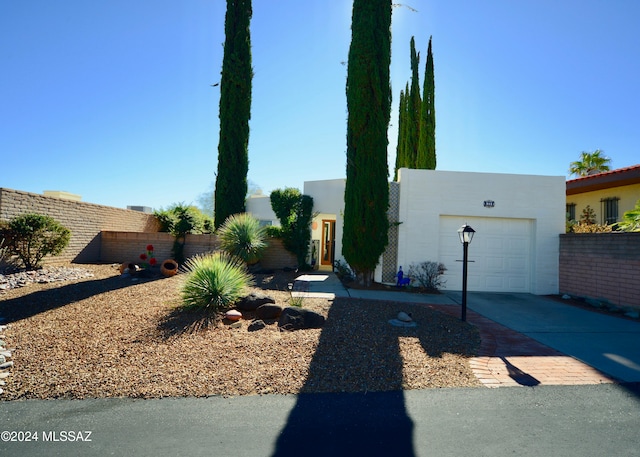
<point x="609" y="207"/>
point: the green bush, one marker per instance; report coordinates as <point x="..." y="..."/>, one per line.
<point x="631" y="220"/>
<point x="31" y="237"/>
<point x="427" y="274"/>
<point x="295" y="212"/>
<point x="214" y="281"/>
<point x="180" y="220"/>
<point x="241" y="236"/>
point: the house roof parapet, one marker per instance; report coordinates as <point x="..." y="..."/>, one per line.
<point x="615" y="178"/>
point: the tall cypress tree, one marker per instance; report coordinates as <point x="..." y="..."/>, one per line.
<point x="413" y="113"/>
<point x="427" y="144"/>
<point x="235" y="112"/>
<point x="401" y="140"/>
<point x="366" y="197"/>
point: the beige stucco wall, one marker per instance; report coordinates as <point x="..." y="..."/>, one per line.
<point x="628" y="196"/>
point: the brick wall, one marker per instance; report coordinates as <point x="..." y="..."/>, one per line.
<point x="85" y="220"/>
<point x="119" y="247"/>
<point x="601" y="266"/>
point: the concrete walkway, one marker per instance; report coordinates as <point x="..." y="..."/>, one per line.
<point x="527" y="339"/>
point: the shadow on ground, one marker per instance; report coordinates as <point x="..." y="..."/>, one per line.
<point x="363" y="411"/>
<point x="15" y="309"/>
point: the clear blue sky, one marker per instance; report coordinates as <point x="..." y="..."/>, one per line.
<point x="112" y="99"/>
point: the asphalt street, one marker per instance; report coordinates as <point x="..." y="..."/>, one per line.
<point x="594" y="420"/>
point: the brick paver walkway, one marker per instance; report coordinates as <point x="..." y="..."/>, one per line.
<point x="509" y="358"/>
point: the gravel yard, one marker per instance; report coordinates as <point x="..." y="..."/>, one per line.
<point x="112" y="336"/>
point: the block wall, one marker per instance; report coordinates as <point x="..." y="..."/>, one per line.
<point x="85" y="220"/>
<point x="601" y="266"/>
<point x="119" y="247"/>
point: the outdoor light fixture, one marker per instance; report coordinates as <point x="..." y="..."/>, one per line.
<point x="466" y="235"/>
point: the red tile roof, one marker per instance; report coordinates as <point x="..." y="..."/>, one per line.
<point x="614" y="178"/>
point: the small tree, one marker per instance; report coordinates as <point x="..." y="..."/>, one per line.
<point x="180" y="220"/>
<point x="590" y="163"/>
<point x="295" y="212"/>
<point x="31" y="237"/>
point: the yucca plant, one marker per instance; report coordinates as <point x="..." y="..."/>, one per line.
<point x="214" y="281"/>
<point x="241" y="236"/>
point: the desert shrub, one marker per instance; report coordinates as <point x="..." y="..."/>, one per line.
<point x="31" y="237"/>
<point x="591" y="228"/>
<point x="180" y="220"/>
<point x="214" y="281"/>
<point x="242" y="236"/>
<point x="631" y="220"/>
<point x="428" y="274"/>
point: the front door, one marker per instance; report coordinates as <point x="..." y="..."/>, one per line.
<point x="328" y="242"/>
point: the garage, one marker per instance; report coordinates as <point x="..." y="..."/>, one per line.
<point x="499" y="254"/>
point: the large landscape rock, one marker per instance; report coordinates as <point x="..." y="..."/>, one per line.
<point x="299" y="319"/>
<point x="252" y="301"/>
<point x="268" y="311"/>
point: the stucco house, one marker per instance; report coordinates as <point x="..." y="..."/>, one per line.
<point x="517" y="219"/>
<point x="610" y="194"/>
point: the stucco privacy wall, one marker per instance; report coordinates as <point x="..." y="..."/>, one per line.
<point x="427" y="197"/>
<point x="601" y="266"/>
<point x="85" y="220"/>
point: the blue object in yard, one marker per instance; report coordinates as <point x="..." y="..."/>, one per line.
<point x="402" y="281"/>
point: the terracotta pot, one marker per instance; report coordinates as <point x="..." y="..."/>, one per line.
<point x="127" y="265"/>
<point x="169" y="267"/>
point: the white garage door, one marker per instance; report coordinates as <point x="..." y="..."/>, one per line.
<point x="500" y="251"/>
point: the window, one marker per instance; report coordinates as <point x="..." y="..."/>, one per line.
<point x="609" y="208"/>
<point x="571" y="211"/>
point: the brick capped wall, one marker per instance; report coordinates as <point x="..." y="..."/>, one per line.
<point x="85" y="220"/>
<point x="601" y="266"/>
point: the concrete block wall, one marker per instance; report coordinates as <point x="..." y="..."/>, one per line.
<point x="85" y="220"/>
<point x="601" y="266"/>
<point x="119" y="247"/>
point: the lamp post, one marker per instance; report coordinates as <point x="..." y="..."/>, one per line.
<point x="466" y="235"/>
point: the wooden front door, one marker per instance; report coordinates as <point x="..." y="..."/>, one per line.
<point x="328" y="242"/>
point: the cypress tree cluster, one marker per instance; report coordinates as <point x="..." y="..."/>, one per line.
<point x="235" y="112"/>
<point x="368" y="90"/>
<point x="417" y="119"/>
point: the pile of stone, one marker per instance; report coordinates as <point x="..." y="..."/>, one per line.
<point x="263" y="310"/>
<point x="45" y="275"/>
<point x="5" y="355"/>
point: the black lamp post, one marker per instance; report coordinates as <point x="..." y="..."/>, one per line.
<point x="466" y="235"/>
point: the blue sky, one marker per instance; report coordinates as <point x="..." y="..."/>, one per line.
<point x="112" y="100"/>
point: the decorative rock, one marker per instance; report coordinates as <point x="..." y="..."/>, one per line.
<point x="4" y="374"/>
<point x="404" y="317"/>
<point x="233" y="315"/>
<point x="299" y="319"/>
<point x="268" y="311"/>
<point x="6" y="365"/>
<point x="236" y="324"/>
<point x="252" y="301"/>
<point x="399" y="323"/>
<point x="566" y="297"/>
<point x="256" y="325"/>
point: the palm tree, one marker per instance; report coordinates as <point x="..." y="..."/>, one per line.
<point x="590" y="163"/>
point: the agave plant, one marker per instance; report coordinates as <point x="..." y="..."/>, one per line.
<point x="242" y="236"/>
<point x="214" y="281"/>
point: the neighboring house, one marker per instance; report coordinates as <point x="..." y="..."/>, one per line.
<point x="610" y="194"/>
<point x="517" y="219"/>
